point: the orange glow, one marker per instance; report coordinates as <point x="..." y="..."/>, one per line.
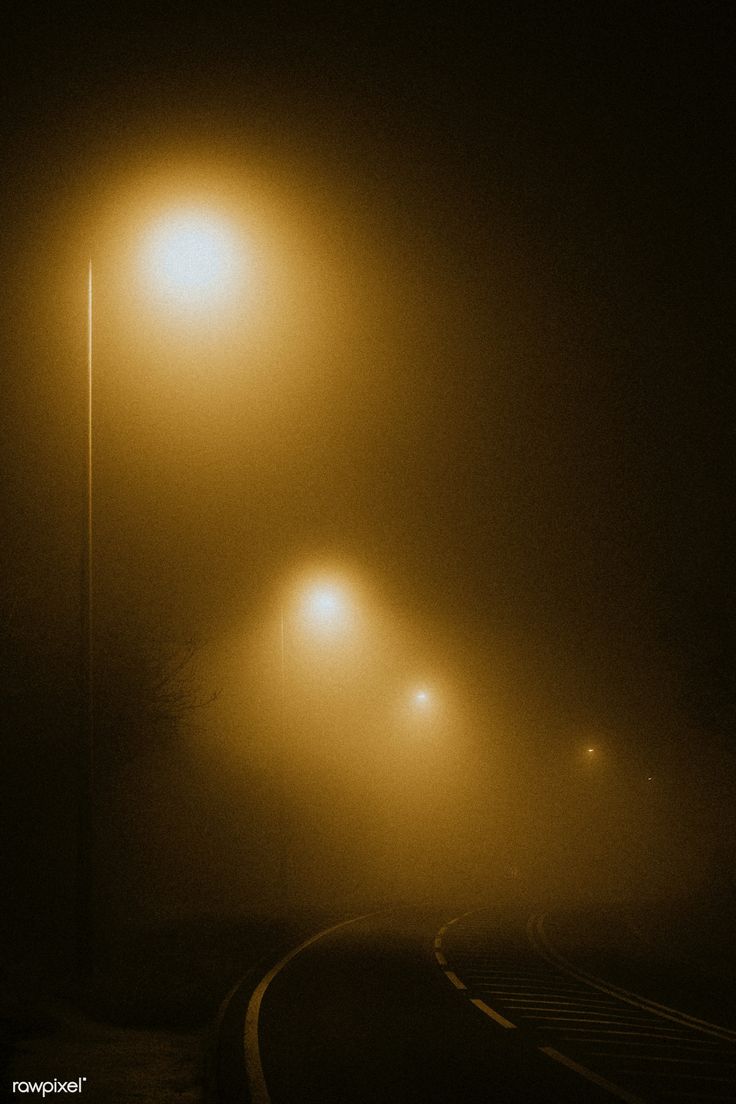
<point x="207" y="254"/>
<point x="420" y="710"/>
<point x="326" y="602"/>
<point x="326" y="607"/>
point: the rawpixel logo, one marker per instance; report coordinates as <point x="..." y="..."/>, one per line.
<point x="48" y="1088"/>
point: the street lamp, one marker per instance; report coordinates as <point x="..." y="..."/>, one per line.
<point x="321" y="609"/>
<point x="190" y="256"/>
<point x="325" y="608"/>
<point x="420" y="703"/>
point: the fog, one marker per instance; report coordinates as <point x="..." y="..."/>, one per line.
<point x="359" y="765"/>
<point x="474" y="376"/>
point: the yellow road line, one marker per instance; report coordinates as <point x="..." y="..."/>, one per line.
<point x="489" y="1012"/>
<point x="253" y="1066"/>
<point x="609" y="1086"/>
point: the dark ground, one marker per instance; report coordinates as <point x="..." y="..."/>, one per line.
<point x="151" y="1006"/>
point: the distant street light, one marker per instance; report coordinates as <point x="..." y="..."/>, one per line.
<point x="321" y="607"/>
<point x="190" y="256"/>
<point x="421" y="704"/>
<point x="325" y="608"/>
<point x="418" y="711"/>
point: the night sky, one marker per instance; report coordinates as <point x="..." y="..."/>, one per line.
<point x="508" y="401"/>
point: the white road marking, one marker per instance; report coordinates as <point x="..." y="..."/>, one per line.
<point x="486" y="1009"/>
<point x="538" y="939"/>
<point x="606" y="1022"/>
<point x="253" y="1067"/>
<point x="615" y="1090"/>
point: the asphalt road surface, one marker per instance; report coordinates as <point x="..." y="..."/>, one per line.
<point x="493" y="1005"/>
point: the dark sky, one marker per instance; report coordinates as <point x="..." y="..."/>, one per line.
<point x="527" y="440"/>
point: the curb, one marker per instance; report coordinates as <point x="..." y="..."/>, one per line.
<point x="225" y="1080"/>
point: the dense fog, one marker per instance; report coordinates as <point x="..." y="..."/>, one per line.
<point x="410" y="571"/>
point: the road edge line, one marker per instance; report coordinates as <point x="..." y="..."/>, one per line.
<point x="535" y="928"/>
<point x="589" y="1075"/>
<point x="259" y="1093"/>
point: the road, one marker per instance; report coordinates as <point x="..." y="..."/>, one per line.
<point x="498" y="1004"/>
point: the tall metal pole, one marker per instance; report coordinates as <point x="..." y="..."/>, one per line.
<point x="283" y="797"/>
<point x="283" y="677"/>
<point x="86" y="826"/>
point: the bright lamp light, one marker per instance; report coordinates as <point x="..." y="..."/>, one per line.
<point x="325" y="606"/>
<point x="190" y="256"/>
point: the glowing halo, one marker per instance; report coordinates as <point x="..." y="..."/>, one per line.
<point x="190" y="256"/>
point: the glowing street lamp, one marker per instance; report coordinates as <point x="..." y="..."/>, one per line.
<point x="420" y="708"/>
<point x="421" y="699"/>
<point x="323" y="608"/>
<point x="324" y="604"/>
<point x="191" y="259"/>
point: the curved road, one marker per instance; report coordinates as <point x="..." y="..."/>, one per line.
<point x="362" y="1012"/>
<point x="491" y="1005"/>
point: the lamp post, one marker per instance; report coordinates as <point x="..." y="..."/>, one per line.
<point x="323" y="610"/>
<point x="189" y="256"/>
<point x="85" y="927"/>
